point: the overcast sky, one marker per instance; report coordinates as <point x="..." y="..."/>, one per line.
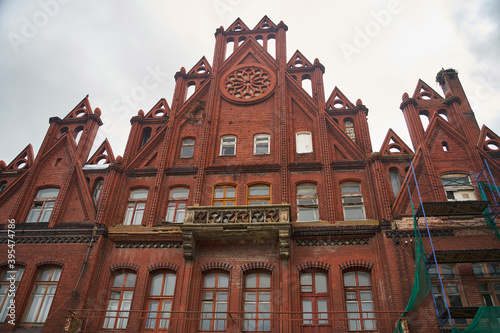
<point x="54" y="52"/>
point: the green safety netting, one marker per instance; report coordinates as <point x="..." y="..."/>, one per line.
<point x="486" y="320"/>
<point x="421" y="282"/>
<point x="487" y="216"/>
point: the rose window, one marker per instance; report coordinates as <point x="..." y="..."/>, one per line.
<point x="248" y="83"/>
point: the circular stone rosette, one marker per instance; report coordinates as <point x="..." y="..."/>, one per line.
<point x="249" y="83"/>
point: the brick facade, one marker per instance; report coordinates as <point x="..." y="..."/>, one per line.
<point x="109" y="216"/>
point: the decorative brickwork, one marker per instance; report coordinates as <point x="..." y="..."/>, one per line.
<point x="257" y="266"/>
<point x="314" y="265"/>
<point x="149" y="245"/>
<point x="216" y="266"/>
<point x="124" y="266"/>
<point x="332" y="242"/>
<point x="163" y="266"/>
<point x="356" y="264"/>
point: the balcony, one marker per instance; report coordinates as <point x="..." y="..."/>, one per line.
<point x="237" y="223"/>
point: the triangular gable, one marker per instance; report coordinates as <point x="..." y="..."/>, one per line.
<point x="103" y="155"/>
<point x="393" y="145"/>
<point x="241" y="55"/>
<point x="424" y="92"/>
<point x="82" y="109"/>
<point x="147" y="152"/>
<point x="343" y="143"/>
<point x="311" y="104"/>
<point x="201" y="67"/>
<point x="298" y="61"/>
<point x="238" y="25"/>
<point x="160" y="110"/>
<point x="438" y="123"/>
<point x="488" y="140"/>
<point x="338" y="101"/>
<point x="264" y="24"/>
<point x="65" y="140"/>
<point x="248" y="59"/>
<point x="22" y="161"/>
<point x="78" y="188"/>
<point x="12" y="188"/>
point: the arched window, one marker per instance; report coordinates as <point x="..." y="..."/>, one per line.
<point x="215" y="294"/>
<point x="314" y="298"/>
<point x="135" y="207"/>
<point x="228" y="145"/>
<point x="177" y="204"/>
<point x="257" y="302"/>
<point x="161" y="296"/>
<point x="349" y="129"/>
<point x="187" y="148"/>
<point x="261" y="144"/>
<point x="43" y="204"/>
<point x="120" y="300"/>
<point x="3" y="185"/>
<point x="359" y="297"/>
<point x="352" y="201"/>
<point x="259" y="194"/>
<point x="224" y="195"/>
<point x="97" y="191"/>
<point x="6" y="291"/>
<point x="304" y="142"/>
<point x="395" y="180"/>
<point x="43" y="295"/>
<point x="307" y="203"/>
<point x="78" y="134"/>
<point x="146" y="135"/>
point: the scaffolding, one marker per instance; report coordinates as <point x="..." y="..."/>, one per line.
<point x="489" y="208"/>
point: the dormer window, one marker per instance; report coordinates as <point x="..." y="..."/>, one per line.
<point x="458" y="187"/>
<point x="43" y="204"/>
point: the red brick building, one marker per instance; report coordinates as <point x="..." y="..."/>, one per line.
<point x="250" y="204"/>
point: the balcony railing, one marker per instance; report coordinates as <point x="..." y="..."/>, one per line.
<point x="238" y="214"/>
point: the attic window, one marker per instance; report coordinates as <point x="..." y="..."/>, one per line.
<point x="349" y="129"/>
<point x="445" y="146"/>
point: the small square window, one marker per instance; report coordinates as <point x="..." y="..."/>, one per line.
<point x="187" y="148"/>
<point x="228" y="146"/>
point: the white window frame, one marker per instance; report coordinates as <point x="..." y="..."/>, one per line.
<point x="175" y="211"/>
<point x="303" y="147"/>
<point x="314" y="206"/>
<point x="44" y="203"/>
<point x="349" y="200"/>
<point x="458" y="191"/>
<point x="136" y="204"/>
<point x="264" y="138"/>
<point x="227" y="144"/>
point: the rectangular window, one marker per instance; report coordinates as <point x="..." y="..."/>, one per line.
<point x="257" y="302"/>
<point x="307" y="203"/>
<point x="136" y="206"/>
<point x="214" y="302"/>
<point x="452" y="295"/>
<point x="314" y="298"/>
<point x="488" y="277"/>
<point x="352" y="202"/>
<point x="43" y="295"/>
<point x="160" y="301"/>
<point x="6" y="292"/>
<point x="43" y="205"/>
<point x="228" y="146"/>
<point x="458" y="187"/>
<point x="177" y="204"/>
<point x="259" y="195"/>
<point x="304" y="142"/>
<point x="224" y="195"/>
<point x="261" y="143"/>
<point x="359" y="301"/>
<point x="187" y="148"/>
<point x="120" y="300"/>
